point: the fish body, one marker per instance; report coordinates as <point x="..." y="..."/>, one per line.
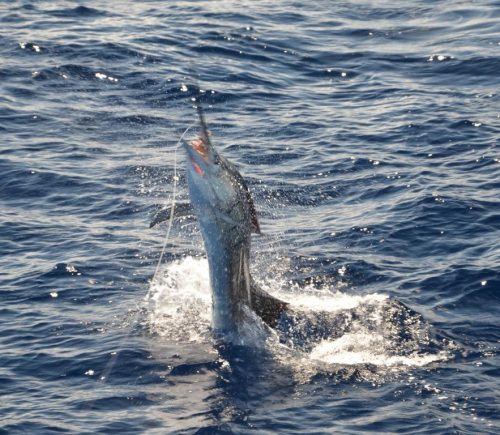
<point x="226" y="214"/>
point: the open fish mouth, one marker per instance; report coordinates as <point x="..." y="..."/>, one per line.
<point x="200" y="147"/>
<point x="198" y="154"/>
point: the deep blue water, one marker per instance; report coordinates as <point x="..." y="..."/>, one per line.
<point x="368" y="135"/>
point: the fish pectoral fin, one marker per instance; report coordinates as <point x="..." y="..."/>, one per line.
<point x="266" y="306"/>
<point x="224" y="217"/>
<point x="181" y="209"/>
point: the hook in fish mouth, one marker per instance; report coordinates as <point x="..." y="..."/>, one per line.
<point x="200" y="147"/>
<point x="199" y="154"/>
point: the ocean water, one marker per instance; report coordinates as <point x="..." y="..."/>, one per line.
<point x="368" y="134"/>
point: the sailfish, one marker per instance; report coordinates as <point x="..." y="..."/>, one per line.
<point x="226" y="214"/>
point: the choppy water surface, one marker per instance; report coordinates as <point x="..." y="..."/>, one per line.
<point x="368" y="135"/>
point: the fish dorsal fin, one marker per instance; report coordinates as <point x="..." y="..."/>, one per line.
<point x="254" y="222"/>
<point x="238" y="179"/>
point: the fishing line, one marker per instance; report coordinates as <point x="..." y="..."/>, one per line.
<point x="174" y="193"/>
<point x="111" y="363"/>
<point x="172" y="209"/>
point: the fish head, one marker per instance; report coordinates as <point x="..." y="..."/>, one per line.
<point x="216" y="183"/>
<point x="218" y="191"/>
<point x="203" y="158"/>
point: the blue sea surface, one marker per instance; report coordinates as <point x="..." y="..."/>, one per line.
<point x="368" y="135"/>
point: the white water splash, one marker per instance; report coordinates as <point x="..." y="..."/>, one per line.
<point x="326" y="300"/>
<point x="179" y="302"/>
<point x="365" y="348"/>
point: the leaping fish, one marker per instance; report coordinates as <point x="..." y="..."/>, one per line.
<point x="226" y="214"/>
